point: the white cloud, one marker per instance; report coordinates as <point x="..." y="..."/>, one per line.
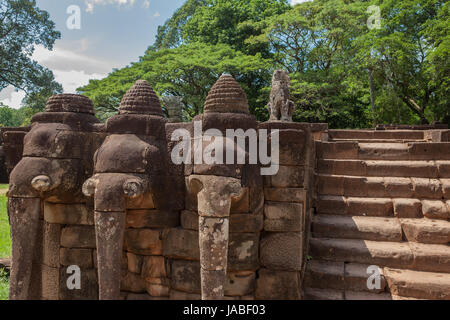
<point x="90" y="4"/>
<point x="294" y="2"/>
<point x="146" y="4"/>
<point x="71" y="80"/>
<point x="157" y="14"/>
<point x="12" y="98"/>
<point x="71" y="69"/>
<point x="67" y="60"/>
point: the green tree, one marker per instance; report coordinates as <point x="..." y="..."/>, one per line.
<point x="188" y="71"/>
<point x="23" y="26"/>
<point x="409" y="55"/>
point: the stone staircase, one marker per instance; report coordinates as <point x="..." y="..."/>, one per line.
<point x="382" y="199"/>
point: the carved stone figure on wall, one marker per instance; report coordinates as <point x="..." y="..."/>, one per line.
<point x="174" y="106"/>
<point x="280" y="106"/>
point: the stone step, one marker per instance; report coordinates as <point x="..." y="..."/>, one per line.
<point x="379" y="187"/>
<point x="426" y="230"/>
<point x="357" y="227"/>
<point x="378" y="140"/>
<point x="418" y="285"/>
<point x="373" y="134"/>
<point x="323" y="294"/>
<point x="383" y="151"/>
<point x="383" y="207"/>
<point x="354" y="206"/>
<point x="330" y="294"/>
<point x="343" y="276"/>
<point x="381" y="168"/>
<point x="415" y="256"/>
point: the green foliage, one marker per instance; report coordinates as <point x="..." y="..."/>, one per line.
<point x="409" y="56"/>
<point x="188" y="71"/>
<point x="342" y="72"/>
<point x="10" y="117"/>
<point x="4" y="285"/>
<point x="5" y="240"/>
<point x="23" y="27"/>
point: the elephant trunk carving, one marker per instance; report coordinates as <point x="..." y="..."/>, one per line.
<point x="110" y="193"/>
<point x="214" y="196"/>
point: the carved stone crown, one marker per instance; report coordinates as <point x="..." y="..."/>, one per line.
<point x="226" y="96"/>
<point x="140" y="99"/>
<point x="69" y="103"/>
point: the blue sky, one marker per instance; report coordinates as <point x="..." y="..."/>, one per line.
<point x="112" y="34"/>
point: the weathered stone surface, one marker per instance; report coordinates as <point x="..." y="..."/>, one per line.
<point x="145" y="242"/>
<point x="69" y="103"/>
<point x="277" y="285"/>
<point x="50" y="283"/>
<point x="283" y="217"/>
<point x="134" y="262"/>
<point x="285" y="194"/>
<point x="242" y="223"/>
<point x="78" y="257"/>
<point x="213" y="240"/>
<point x="142" y="296"/>
<point x="212" y="284"/>
<point x="89" y="285"/>
<point x="185" y="276"/>
<point x="282" y="251"/>
<point x="392" y="254"/>
<point x="430" y="257"/>
<point x="419" y="285"/>
<point x="68" y="213"/>
<point x="140" y="99"/>
<point x="324" y="274"/>
<point x="180" y="295"/>
<point x="435" y="210"/>
<point x="287" y="177"/>
<point x="181" y="244"/>
<point x="242" y="204"/>
<point x="357" y="276"/>
<point x="445" y="188"/>
<point x="355" y="295"/>
<point x="280" y="106"/>
<point x="427" y="188"/>
<point x="240" y="283"/>
<point x="153" y="267"/>
<point x="376" y="207"/>
<point x="226" y="96"/>
<point x="143" y="202"/>
<point x="132" y="282"/>
<point x="243" y="251"/>
<point x="407" y="208"/>
<point x="157" y="290"/>
<point x="426" y="231"/>
<point x="357" y="227"/>
<point x="189" y="220"/>
<point x="215" y="194"/>
<point x="78" y="237"/>
<point x="152" y="219"/>
<point x="51" y="244"/>
<point x="323" y="294"/>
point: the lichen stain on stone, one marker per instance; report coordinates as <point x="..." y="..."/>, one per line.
<point x="218" y="289"/>
<point x="244" y="250"/>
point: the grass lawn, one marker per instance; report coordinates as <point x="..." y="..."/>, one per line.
<point x="4" y="285"/>
<point x="5" y="243"/>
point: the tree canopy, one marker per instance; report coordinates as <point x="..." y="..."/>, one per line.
<point x="342" y="71"/>
<point x="23" y="26"/>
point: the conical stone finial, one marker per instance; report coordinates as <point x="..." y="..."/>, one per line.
<point x="69" y="103"/>
<point x="226" y="96"/>
<point x="140" y="99"/>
